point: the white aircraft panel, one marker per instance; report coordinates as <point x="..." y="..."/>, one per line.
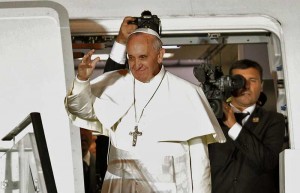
<point x="35" y="54"/>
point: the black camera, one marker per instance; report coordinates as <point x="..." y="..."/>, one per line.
<point x="147" y="20"/>
<point x="217" y="86"/>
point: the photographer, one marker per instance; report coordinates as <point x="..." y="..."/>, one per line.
<point x="249" y="160"/>
<point x="117" y="59"/>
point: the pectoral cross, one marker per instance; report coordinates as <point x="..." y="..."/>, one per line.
<point x="135" y="134"/>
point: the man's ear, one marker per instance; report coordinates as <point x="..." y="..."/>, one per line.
<point x="262" y="86"/>
<point x="160" y="56"/>
<point x="262" y="99"/>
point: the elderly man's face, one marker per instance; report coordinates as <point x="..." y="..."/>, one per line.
<point x="144" y="61"/>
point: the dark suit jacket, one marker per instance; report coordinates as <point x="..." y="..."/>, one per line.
<point x="90" y="178"/>
<point x="250" y="164"/>
<point x="111" y="65"/>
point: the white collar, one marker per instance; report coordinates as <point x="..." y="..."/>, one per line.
<point x="248" y="109"/>
<point x="87" y="158"/>
<point x="156" y="78"/>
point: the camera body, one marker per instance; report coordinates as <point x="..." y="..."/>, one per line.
<point x="147" y="20"/>
<point x="216" y="86"/>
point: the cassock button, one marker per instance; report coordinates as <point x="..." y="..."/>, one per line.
<point x="235" y="180"/>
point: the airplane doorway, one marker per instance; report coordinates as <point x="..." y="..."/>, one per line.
<point x="185" y="52"/>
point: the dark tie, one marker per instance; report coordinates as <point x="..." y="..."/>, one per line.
<point x="85" y="167"/>
<point x="86" y="176"/>
<point x="240" y="116"/>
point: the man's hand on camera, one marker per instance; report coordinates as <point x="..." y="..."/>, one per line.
<point x="126" y="29"/>
<point x="229" y="119"/>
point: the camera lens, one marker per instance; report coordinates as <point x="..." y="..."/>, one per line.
<point x="216" y="106"/>
<point x="238" y="82"/>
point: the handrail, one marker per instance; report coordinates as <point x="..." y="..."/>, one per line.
<point x="19" y="128"/>
<point x="38" y="130"/>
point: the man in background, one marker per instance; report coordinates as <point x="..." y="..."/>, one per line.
<point x="116" y="61"/>
<point x="89" y="161"/>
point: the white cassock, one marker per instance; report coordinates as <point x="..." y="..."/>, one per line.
<point x="175" y="121"/>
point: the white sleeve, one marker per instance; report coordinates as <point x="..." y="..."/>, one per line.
<point x="234" y="131"/>
<point x="200" y="166"/>
<point x="79" y="106"/>
<point x="118" y="53"/>
<point x="79" y="85"/>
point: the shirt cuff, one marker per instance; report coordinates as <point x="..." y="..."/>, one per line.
<point x="118" y="53"/>
<point x="79" y="85"/>
<point x="234" y="131"/>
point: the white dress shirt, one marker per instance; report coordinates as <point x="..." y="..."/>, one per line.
<point x="235" y="130"/>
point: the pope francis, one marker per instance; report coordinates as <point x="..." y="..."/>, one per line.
<point x="158" y="124"/>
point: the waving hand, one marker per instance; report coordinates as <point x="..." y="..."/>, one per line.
<point x="87" y="66"/>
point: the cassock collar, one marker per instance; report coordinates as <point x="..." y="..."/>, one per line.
<point x="144" y="91"/>
<point x="156" y="78"/>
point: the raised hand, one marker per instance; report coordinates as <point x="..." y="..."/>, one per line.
<point x="87" y="66"/>
<point x="126" y="29"/>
